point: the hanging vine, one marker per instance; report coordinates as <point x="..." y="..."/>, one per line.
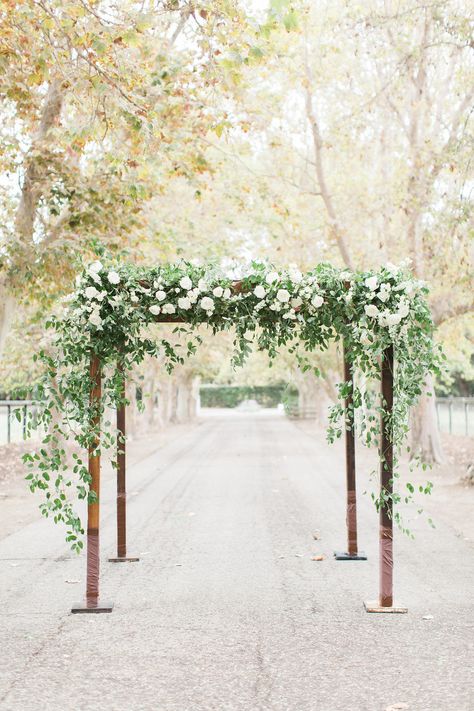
<point x="110" y="313"/>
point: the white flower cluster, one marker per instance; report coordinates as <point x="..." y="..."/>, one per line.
<point x="385" y="298"/>
<point x="383" y="292"/>
<point x="95" y="297"/>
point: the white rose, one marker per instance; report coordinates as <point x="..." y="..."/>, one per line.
<point x="271" y="277"/>
<point x="259" y="291"/>
<point x="227" y="293"/>
<point x="249" y="335"/>
<point x="134" y="298"/>
<point x="95" y="319"/>
<point x="218" y="291"/>
<point x="160" y="295"/>
<point x="283" y="295"/>
<point x="371" y="310"/>
<point x="404" y="286"/>
<point x="184" y="303"/>
<point x="392" y="319"/>
<point x="297" y="301"/>
<point x="346" y="276"/>
<point x="154" y="309"/>
<point x="95" y="276"/>
<point x="186" y="283"/>
<point x="95" y="267"/>
<point x="295" y="275"/>
<point x="392" y="268"/>
<point x="193" y="295"/>
<point x="101" y="295"/>
<point x="207" y="303"/>
<point x="91" y="292"/>
<point x="202" y="285"/>
<point x="371" y="283"/>
<point x="168" y="309"/>
<point x="384" y="296"/>
<point x="317" y="301"/>
<point x="403" y="309"/>
<point x="113" y="278"/>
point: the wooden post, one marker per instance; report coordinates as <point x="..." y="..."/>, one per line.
<point x="92" y="603"/>
<point x="386" y="485"/>
<point x="351" y="552"/>
<point x="121" y="479"/>
<point x="385" y="601"/>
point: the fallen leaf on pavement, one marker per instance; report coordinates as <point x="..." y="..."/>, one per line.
<point x="72" y="581"/>
<point x="318" y="557"/>
<point x="398" y="707"/>
<point x="427" y="617"/>
<point x="317" y="536"/>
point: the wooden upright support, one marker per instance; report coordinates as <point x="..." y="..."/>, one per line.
<point x="92" y="603"/>
<point x="352" y="552"/>
<point x="385" y="601"/>
<point x="121" y="479"/>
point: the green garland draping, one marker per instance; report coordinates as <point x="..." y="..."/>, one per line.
<point x="113" y="305"/>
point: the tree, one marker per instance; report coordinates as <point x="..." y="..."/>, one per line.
<point x="101" y="109"/>
<point x="361" y="132"/>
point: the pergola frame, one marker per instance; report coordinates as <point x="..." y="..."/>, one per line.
<point x="384" y="603"/>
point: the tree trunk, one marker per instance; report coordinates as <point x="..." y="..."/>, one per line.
<point x="7" y="310"/>
<point x="164" y="389"/>
<point x="425" y="435"/>
<point x="149" y="395"/>
<point x="31" y="192"/>
<point x="313" y="399"/>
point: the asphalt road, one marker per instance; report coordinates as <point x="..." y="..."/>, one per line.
<point x="226" y="611"/>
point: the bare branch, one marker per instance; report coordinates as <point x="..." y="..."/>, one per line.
<point x="320" y="172"/>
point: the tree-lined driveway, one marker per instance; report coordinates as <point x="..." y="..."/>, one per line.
<point x="226" y="610"/>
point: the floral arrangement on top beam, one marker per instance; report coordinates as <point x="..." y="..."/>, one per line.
<point x="112" y="307"/>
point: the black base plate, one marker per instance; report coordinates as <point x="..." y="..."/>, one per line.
<point x="126" y="559"/>
<point x="346" y="556"/>
<point x="84" y="608"/>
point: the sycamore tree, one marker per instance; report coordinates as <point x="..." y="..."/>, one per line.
<point x="101" y="108"/>
<point x="360" y="148"/>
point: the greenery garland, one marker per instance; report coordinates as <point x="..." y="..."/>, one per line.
<point x="113" y="305"/>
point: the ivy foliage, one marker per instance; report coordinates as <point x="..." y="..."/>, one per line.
<point x="111" y="312"/>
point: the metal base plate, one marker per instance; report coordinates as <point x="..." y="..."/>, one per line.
<point x="375" y="606"/>
<point x="125" y="559"/>
<point x="347" y="556"/>
<point x="83" y="607"/>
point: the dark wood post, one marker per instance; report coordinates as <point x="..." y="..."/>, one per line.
<point x="121" y="478"/>
<point x="352" y="552"/>
<point x="92" y="603"/>
<point x="386" y="484"/>
<point x="385" y="601"/>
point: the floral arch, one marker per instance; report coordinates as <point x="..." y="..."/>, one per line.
<point x="103" y="332"/>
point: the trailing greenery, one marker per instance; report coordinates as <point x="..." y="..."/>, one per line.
<point x="110" y="313"/>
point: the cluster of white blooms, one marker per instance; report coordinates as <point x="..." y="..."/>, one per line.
<point x="95" y="296"/>
<point x="384" y="298"/>
<point x="383" y="292"/>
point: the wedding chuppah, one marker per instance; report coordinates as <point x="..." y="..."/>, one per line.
<point x="109" y="324"/>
